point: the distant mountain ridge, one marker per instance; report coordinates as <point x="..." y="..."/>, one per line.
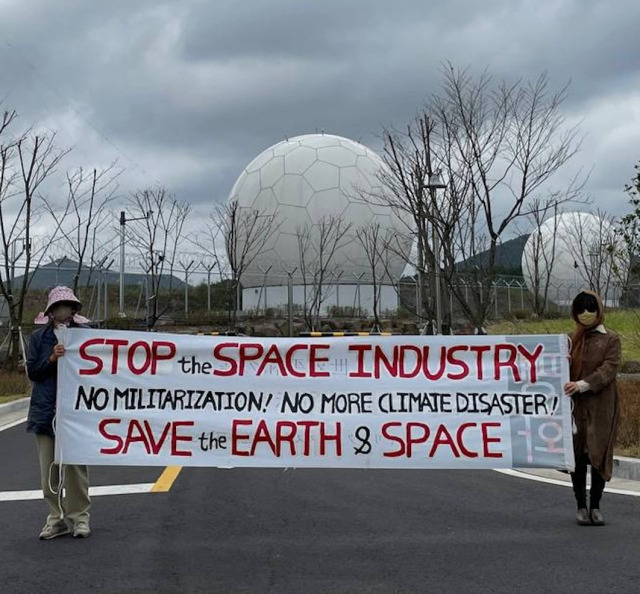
<point x="61" y="272"/>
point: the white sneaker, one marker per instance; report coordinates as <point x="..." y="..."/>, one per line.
<point x="50" y="531"/>
<point x="81" y="530"/>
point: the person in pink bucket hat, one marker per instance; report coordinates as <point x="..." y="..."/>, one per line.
<point x="68" y="514"/>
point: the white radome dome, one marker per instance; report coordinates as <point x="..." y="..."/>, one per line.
<point x="575" y="251"/>
<point x="304" y="179"/>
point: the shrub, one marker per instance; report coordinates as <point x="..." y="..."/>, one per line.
<point x="343" y="311"/>
<point x="629" y="427"/>
<point x="13" y="383"/>
<point x="630" y="367"/>
<point x="554" y="314"/>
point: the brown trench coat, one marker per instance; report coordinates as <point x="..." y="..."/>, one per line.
<point x="596" y="411"/>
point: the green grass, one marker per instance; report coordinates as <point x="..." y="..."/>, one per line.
<point x="626" y="323"/>
<point x="628" y="452"/>
<point x="5" y="399"/>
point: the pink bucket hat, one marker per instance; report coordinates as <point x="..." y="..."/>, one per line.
<point x="62" y="294"/>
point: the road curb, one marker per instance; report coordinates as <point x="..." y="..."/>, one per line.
<point x="626" y="468"/>
<point x="14" y="406"/>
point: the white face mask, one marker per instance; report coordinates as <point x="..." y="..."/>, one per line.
<point x="62" y="313"/>
<point x="588" y="318"/>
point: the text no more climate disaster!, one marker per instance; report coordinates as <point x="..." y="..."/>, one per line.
<point x="96" y="398"/>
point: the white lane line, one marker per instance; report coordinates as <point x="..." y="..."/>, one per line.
<point x="93" y="491"/>
<point x="550" y="481"/>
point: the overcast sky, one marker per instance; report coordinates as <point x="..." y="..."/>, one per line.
<point x="185" y="93"/>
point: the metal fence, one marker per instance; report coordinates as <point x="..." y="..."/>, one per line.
<point x="509" y="295"/>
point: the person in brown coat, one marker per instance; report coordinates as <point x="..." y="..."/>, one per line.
<point x="595" y="356"/>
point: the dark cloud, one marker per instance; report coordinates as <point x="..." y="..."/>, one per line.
<point x="186" y="93"/>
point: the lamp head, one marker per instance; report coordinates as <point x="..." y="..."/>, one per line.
<point x="435" y="181"/>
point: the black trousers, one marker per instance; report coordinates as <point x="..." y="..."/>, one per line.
<point x="579" y="481"/>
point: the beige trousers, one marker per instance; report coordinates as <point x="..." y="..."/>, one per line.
<point x="75" y="503"/>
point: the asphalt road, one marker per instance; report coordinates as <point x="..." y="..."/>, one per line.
<point x="304" y="531"/>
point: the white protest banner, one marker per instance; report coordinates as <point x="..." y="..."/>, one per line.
<point x="135" y="398"/>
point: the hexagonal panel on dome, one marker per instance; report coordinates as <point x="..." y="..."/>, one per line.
<point x="265" y="201"/>
<point x="297" y="217"/>
<point x="326" y="203"/>
<point x="287" y="248"/>
<point x="260" y="161"/>
<point x="293" y="190"/>
<point x="354" y="147"/>
<point x="360" y="213"/>
<point x="384" y="220"/>
<point x="248" y="186"/>
<point x="377" y="208"/>
<point x="369" y="168"/>
<point x="401" y="222"/>
<point x="271" y="171"/>
<point x="299" y="160"/>
<point x="285" y="147"/>
<point x="338" y="156"/>
<point x="318" y="140"/>
<point x="322" y="176"/>
<point x="353" y="181"/>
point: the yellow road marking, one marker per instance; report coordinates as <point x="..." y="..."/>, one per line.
<point x="166" y="480"/>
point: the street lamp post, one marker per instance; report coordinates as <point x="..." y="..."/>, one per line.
<point x="123" y="221"/>
<point x="433" y="184"/>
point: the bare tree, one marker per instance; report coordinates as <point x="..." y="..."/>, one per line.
<point x="317" y="247"/>
<point x="375" y="241"/>
<point x="598" y="251"/>
<point x="540" y="254"/>
<point x="498" y="146"/>
<point x="408" y="156"/>
<point x="245" y="232"/>
<point x="85" y="216"/>
<point x="27" y="159"/>
<point x="156" y="235"/>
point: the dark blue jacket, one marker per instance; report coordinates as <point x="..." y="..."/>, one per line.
<point x="44" y="376"/>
